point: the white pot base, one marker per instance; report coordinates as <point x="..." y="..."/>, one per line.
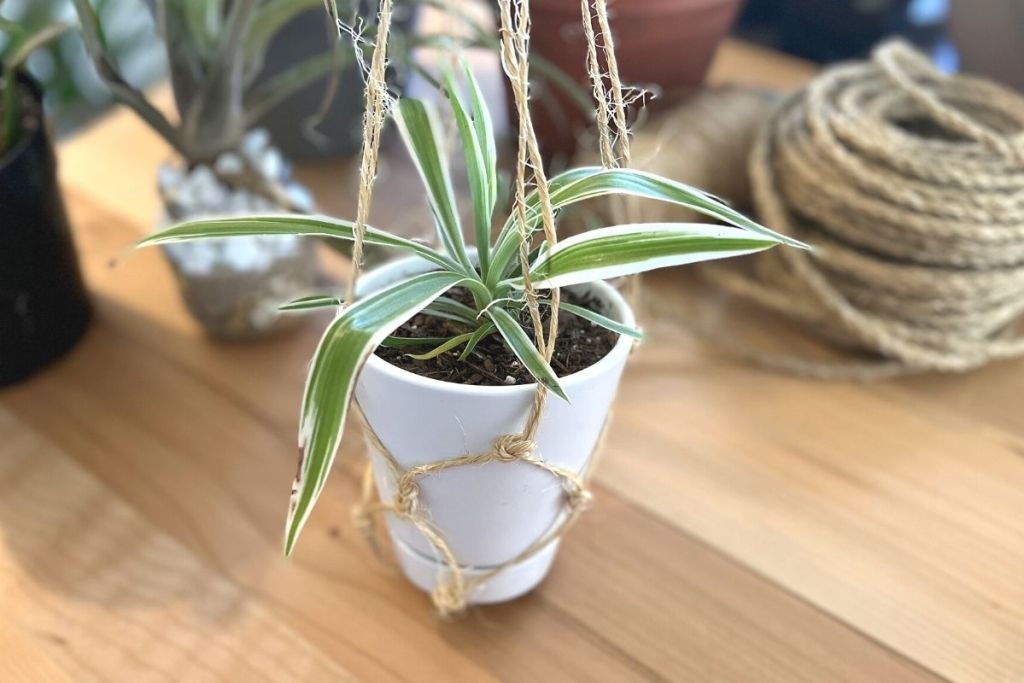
<point x="508" y="584"/>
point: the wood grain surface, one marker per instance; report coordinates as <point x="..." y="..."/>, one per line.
<point x="748" y="526"/>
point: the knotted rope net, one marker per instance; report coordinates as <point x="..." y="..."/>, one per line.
<point x="910" y="184"/>
<point x="453" y="591"/>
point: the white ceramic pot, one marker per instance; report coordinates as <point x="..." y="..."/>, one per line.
<point x="489" y="513"/>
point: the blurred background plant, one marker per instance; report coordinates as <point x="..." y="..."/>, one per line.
<point x="74" y="93"/>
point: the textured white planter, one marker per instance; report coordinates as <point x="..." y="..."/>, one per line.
<point x="489" y="513"/>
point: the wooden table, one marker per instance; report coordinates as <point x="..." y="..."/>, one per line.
<point x="748" y="526"/>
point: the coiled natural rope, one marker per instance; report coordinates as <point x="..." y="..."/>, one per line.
<point x="453" y="591"/>
<point x="910" y="184"/>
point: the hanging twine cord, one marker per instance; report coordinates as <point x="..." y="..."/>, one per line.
<point x="453" y="590"/>
<point x="378" y="101"/>
<point x="612" y="128"/>
<point x="613" y="133"/>
<point x="514" y="16"/>
<point x="910" y="184"/>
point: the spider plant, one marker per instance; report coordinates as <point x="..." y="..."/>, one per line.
<point x="18" y="42"/>
<point x="494" y="277"/>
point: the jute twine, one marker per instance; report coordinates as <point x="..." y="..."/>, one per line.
<point x="910" y="184"/>
<point x="453" y="590"/>
<point x="613" y="133"/>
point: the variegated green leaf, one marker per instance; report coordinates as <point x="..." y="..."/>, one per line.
<point x="476" y="172"/>
<point x="312" y="302"/>
<point x="453" y="310"/>
<point x="521" y="345"/>
<point x="448" y="345"/>
<point x="343" y="349"/>
<point x="598" y="319"/>
<point x="485" y="133"/>
<point x="289" y="224"/>
<point x="421" y="131"/>
<point x="406" y="342"/>
<point x="629" y="249"/>
<point x="479" y="335"/>
<point x="580" y="184"/>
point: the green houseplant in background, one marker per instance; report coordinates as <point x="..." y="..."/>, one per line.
<point x="43" y="305"/>
<point x="215" y="51"/>
<point x="478" y="298"/>
<point x="73" y="93"/>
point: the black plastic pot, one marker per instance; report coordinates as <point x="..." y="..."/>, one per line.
<point x="44" y="308"/>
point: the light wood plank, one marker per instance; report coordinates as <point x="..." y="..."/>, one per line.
<point x="24" y="660"/>
<point x="91" y="591"/>
<point x="867" y="500"/>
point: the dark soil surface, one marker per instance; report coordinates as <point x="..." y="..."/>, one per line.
<point x="580" y="344"/>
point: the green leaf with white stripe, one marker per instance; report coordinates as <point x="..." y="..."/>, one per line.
<point x="479" y="335"/>
<point x="448" y="345"/>
<point x="601" y="320"/>
<point x="629" y="249"/>
<point x="484" y="125"/>
<point x="521" y="344"/>
<point x="581" y="184"/>
<point x="421" y="131"/>
<point x="445" y="307"/>
<point x="406" y="342"/>
<point x="290" y="224"/>
<point x="310" y="303"/>
<point x="476" y="173"/>
<point x="344" y="347"/>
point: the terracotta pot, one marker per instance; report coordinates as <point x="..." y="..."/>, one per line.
<point x="667" y="43"/>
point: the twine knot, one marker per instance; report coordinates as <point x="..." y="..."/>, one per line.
<point x="511" y="447"/>
<point x="407" y="496"/>
<point x="579" y="498"/>
<point x="449" y="597"/>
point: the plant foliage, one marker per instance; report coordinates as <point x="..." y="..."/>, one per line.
<point x="495" y="280"/>
<point x="19" y="42"/>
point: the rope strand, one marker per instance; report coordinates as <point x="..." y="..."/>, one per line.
<point x="373" y="123"/>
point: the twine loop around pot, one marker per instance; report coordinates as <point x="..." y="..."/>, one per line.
<point x="451" y="593"/>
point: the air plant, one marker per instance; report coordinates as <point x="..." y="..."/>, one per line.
<point x="215" y="50"/>
<point x="494" y="278"/>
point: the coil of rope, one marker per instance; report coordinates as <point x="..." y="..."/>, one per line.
<point x="910" y="184"/>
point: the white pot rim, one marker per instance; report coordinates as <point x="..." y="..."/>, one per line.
<point x="604" y="291"/>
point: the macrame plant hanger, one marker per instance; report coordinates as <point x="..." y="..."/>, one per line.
<point x="454" y="589"/>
